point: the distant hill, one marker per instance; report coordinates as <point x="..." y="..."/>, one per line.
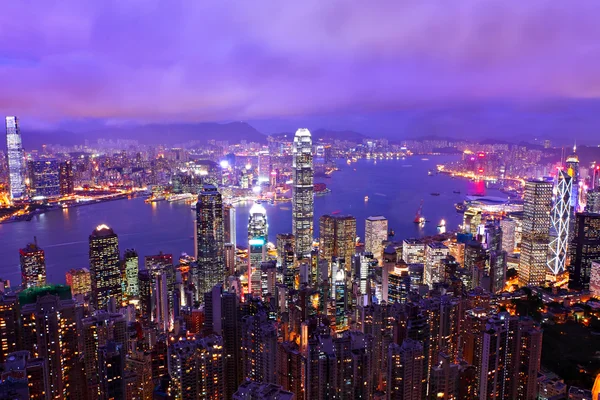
<point x="169" y="134"/>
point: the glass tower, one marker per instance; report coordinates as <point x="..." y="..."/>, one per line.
<point x="33" y="266"/>
<point x="559" y="232"/>
<point x="16" y="159"/>
<point x="257" y="240"/>
<point x="302" y="192"/>
<point x="105" y="267"/>
<point x="209" y="235"/>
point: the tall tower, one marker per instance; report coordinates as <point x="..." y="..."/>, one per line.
<point x="33" y="266"/>
<point x="583" y="249"/>
<point x="573" y="171"/>
<point x="376" y="232"/>
<point x="257" y="242"/>
<point x="302" y="192"/>
<point x="16" y="159"/>
<point x="559" y="231"/>
<point x="209" y="236"/>
<point x="535" y="236"/>
<point x="105" y="267"/>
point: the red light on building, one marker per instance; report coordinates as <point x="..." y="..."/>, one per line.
<point x="481" y="170"/>
<point x="481" y="155"/>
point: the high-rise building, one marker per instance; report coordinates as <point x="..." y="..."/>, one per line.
<point x="10" y="339"/>
<point x="264" y="167"/>
<point x="162" y="277"/>
<point x="44" y="178"/>
<point x="96" y="333"/>
<point x="229" y="221"/>
<point x="595" y="279"/>
<point x="105" y="267"/>
<point x="508" y="226"/>
<point x="592" y="204"/>
<point x="406" y="371"/>
<point x="302" y="192"/>
<point x="257" y="244"/>
<point x="250" y="390"/>
<point x="572" y="164"/>
<point x="559" y="230"/>
<point x="413" y="251"/>
<point x="209" y="239"/>
<point x="16" y="159"/>
<point x="131" y="268"/>
<point x="376" y="232"/>
<point x="259" y="347"/>
<point x="433" y="273"/>
<point x="33" y="266"/>
<point x="49" y="332"/>
<point x="196" y="368"/>
<point x="337" y="237"/>
<point x="584" y="248"/>
<point x="66" y="178"/>
<point x="79" y="280"/>
<point x="535" y="236"/>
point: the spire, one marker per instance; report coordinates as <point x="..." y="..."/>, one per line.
<point x="575" y="147"/>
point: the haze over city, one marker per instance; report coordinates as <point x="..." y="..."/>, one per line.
<point x="509" y="70"/>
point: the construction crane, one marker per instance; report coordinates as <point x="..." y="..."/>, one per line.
<point x="418" y="217"/>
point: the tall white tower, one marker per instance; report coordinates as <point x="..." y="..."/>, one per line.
<point x="559" y="230"/>
<point x="16" y="159"/>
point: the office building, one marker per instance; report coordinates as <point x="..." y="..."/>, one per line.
<point x="535" y="236"/>
<point x="79" y="280"/>
<point x="572" y="164"/>
<point x="45" y="182"/>
<point x="131" y="267"/>
<point x="595" y="279"/>
<point x="560" y="218"/>
<point x="257" y="244"/>
<point x="433" y="273"/>
<point x="33" y="266"/>
<point x="337" y="237"/>
<point x="259" y="348"/>
<point x="376" y="233"/>
<point x="584" y="248"/>
<point x="105" y="267"/>
<point x="229" y="221"/>
<point x="508" y="227"/>
<point x="16" y="159"/>
<point x="209" y="238"/>
<point x="302" y="192"/>
<point x="66" y="178"/>
<point x="413" y="251"/>
<point x="10" y="339"/>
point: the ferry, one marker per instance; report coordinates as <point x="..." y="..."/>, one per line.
<point x="366" y="198"/>
<point x="391" y="233"/>
<point x="193" y="205"/>
<point x="442" y="224"/>
<point x="456" y="191"/>
<point x="154" y="199"/>
<point x="181" y="197"/>
<point x="435" y="194"/>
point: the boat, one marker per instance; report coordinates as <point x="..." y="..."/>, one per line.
<point x="391" y="233"/>
<point x="348" y="161"/>
<point x="366" y="198"/>
<point x="430" y="173"/>
<point x="180" y="197"/>
<point x="194" y="205"/>
<point x="419" y="219"/>
<point x="442" y="224"/>
<point x="154" y="199"/>
<point x="460" y="207"/>
<point x="335" y="212"/>
<point x="456" y="191"/>
<point x="435" y="194"/>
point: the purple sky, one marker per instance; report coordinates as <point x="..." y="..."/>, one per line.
<point x="277" y="61"/>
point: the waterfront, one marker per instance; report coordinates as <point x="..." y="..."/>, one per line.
<point x="395" y="189"/>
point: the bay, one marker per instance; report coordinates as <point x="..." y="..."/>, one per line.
<point x="395" y="189"/>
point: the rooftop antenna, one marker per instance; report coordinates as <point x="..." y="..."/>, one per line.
<point x="35" y="241"/>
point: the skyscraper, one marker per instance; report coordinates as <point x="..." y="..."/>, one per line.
<point x="535" y="237"/>
<point x="65" y="178"/>
<point x="376" y="232"/>
<point x="559" y="231"/>
<point x="210" y="252"/>
<point x="105" y="267"/>
<point x="130" y="283"/>
<point x="584" y="248"/>
<point x="229" y="218"/>
<point x="257" y="243"/>
<point x="33" y="266"/>
<point x="302" y="192"/>
<point x="16" y="159"/>
<point x="45" y="180"/>
<point x="337" y="237"/>
<point x="406" y="371"/>
<point x="573" y="172"/>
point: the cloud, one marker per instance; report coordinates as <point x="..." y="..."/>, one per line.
<point x="163" y="60"/>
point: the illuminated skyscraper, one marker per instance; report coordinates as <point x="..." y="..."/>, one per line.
<point x="130" y="283"/>
<point x="406" y="370"/>
<point x="45" y="180"/>
<point x="229" y="218"/>
<point x="79" y="280"/>
<point x="376" y="232"/>
<point x="33" y="266"/>
<point x="337" y="237"/>
<point x="257" y="242"/>
<point x="16" y="159"/>
<point x="65" y="178"/>
<point x="302" y="192"/>
<point x="573" y="172"/>
<point x="559" y="231"/>
<point x="105" y="267"/>
<point x="9" y="325"/>
<point x="583" y="249"/>
<point x="209" y="235"/>
<point x="535" y="237"/>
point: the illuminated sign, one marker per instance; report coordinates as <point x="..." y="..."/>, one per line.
<point x="256" y="242"/>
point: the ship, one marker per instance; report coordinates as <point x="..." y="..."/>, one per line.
<point x="366" y="198"/>
<point x="430" y="173"/>
<point x="442" y="224"/>
<point x="456" y="191"/>
<point x="391" y="233"/>
<point x="181" y="197"/>
<point x="435" y="194"/>
<point x="154" y="199"/>
<point x="194" y="205"/>
<point x="460" y="207"/>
